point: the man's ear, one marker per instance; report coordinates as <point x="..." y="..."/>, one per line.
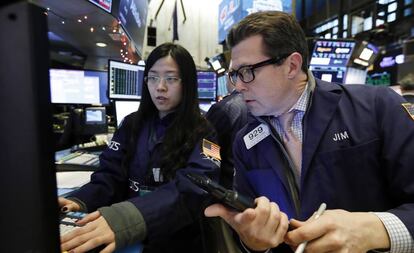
<point x="295" y="65"/>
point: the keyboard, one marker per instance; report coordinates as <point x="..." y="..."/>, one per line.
<point x="68" y="221"/>
<point x="78" y="161"/>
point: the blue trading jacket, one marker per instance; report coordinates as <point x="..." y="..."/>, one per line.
<point x="358" y="155"/>
<point x="172" y="205"/>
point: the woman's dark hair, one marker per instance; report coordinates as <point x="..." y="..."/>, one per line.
<point x="280" y="31"/>
<point x="188" y="126"/>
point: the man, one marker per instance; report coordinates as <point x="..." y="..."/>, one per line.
<point x="228" y="116"/>
<point x="407" y="88"/>
<point x="313" y="142"/>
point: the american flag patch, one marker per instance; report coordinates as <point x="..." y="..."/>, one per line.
<point x="409" y="108"/>
<point x="211" y="149"/>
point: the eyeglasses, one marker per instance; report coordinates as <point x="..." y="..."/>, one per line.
<point x="155" y="80"/>
<point x="246" y="73"/>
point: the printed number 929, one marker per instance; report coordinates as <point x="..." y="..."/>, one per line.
<point x="255" y="133"/>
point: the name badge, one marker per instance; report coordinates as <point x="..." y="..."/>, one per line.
<point x="256" y="135"/>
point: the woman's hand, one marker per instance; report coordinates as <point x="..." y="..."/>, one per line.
<point x="94" y="232"/>
<point x="67" y="205"/>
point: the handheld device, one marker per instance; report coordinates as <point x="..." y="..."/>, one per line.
<point x="228" y="197"/>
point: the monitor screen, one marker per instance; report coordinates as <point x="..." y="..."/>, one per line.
<point x="222" y="86"/>
<point x="379" y="78"/>
<point x="207" y="85"/>
<point x="336" y="75"/>
<point x="333" y="53"/>
<point x="124" y="108"/>
<point x="125" y="80"/>
<point x="95" y="115"/>
<point x="94" y="120"/>
<point x="232" y="11"/>
<point x="78" y="86"/>
<point x="205" y="105"/>
<point x="103" y="4"/>
<point x="132" y="15"/>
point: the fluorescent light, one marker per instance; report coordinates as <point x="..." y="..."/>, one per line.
<point x="100" y="44"/>
<point x="361" y="62"/>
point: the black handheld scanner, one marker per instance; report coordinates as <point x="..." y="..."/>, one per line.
<point x="226" y="196"/>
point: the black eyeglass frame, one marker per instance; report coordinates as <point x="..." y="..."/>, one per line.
<point x="236" y="73"/>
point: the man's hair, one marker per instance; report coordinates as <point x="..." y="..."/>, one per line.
<point x="280" y="31"/>
<point x="407" y="83"/>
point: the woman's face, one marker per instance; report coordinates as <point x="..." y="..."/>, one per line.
<point x="164" y="85"/>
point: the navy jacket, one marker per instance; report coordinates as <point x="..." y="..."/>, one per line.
<point x="172" y="209"/>
<point x="358" y="155"/>
<point x="228" y="116"/>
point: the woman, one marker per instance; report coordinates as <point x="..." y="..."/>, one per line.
<point x="143" y="170"/>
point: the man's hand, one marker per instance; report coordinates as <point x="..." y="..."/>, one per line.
<point x="260" y="228"/>
<point x="95" y="232"/>
<point x="339" y="231"/>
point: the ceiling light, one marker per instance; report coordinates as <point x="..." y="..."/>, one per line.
<point x="92" y="29"/>
<point x="101" y="44"/>
<point x="80" y="20"/>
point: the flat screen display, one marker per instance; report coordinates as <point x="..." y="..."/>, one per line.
<point x="95" y="115"/>
<point x="124" y="108"/>
<point x="78" y="86"/>
<point x="125" y="80"/>
<point x="133" y="17"/>
<point x="329" y="74"/>
<point x="207" y="85"/>
<point x="205" y="105"/>
<point x="222" y="86"/>
<point x="333" y="53"/>
<point x="106" y="5"/>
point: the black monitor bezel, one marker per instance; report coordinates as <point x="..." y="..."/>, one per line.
<point x="85" y="104"/>
<point x="112" y="98"/>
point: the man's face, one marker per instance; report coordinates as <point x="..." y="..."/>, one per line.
<point x="270" y="93"/>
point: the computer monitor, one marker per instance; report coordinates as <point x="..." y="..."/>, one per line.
<point x="329" y="74"/>
<point x="105" y="5"/>
<point x="205" y="105"/>
<point x="332" y="53"/>
<point x="125" y="80"/>
<point x="222" y="86"/>
<point x="78" y="86"/>
<point x="28" y="180"/>
<point x="124" y="108"/>
<point x="207" y="85"/>
<point x="95" y="120"/>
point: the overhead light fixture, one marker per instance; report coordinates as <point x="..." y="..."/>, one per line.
<point x="101" y="44"/>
